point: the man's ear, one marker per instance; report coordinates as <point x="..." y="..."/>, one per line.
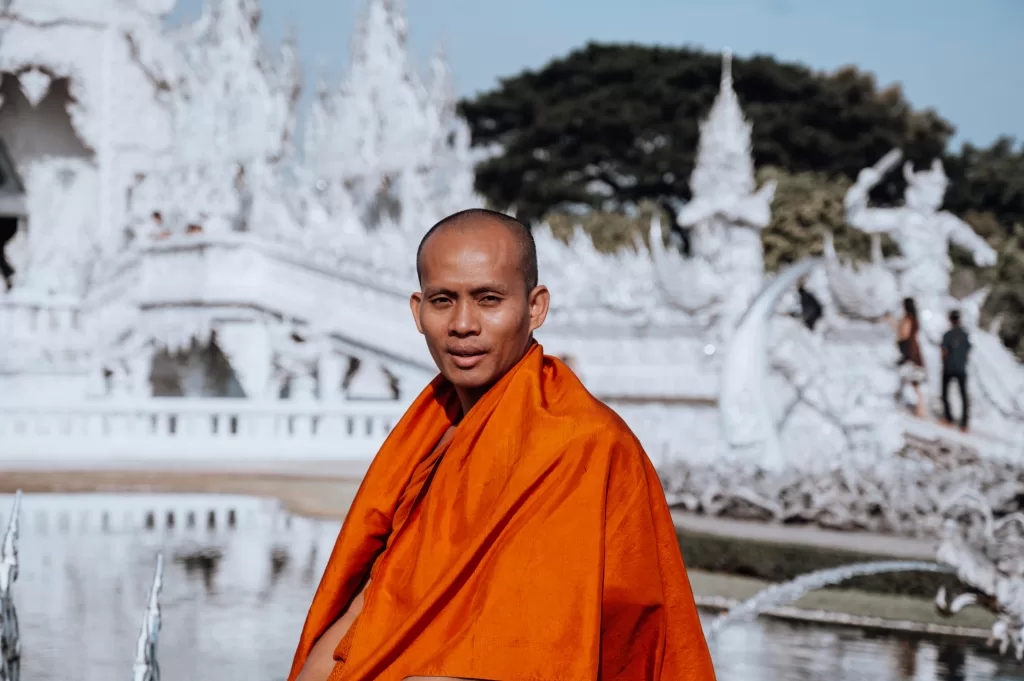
<point x="415" y="302"/>
<point x="539" y="302"/>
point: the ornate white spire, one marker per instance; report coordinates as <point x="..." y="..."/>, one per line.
<point x="442" y="89"/>
<point x="380" y="97"/>
<point x="241" y="101"/>
<point x="724" y="162"/>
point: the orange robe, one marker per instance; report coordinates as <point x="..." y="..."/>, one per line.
<point x="543" y="549"/>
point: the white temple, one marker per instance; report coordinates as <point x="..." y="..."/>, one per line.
<point x="187" y="286"/>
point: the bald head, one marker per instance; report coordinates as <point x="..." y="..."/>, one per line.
<point x="481" y="218"/>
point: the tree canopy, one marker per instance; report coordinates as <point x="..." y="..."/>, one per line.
<point x="610" y="125"/>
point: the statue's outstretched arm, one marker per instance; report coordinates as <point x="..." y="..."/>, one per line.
<point x="963" y="235"/>
<point x="862" y="216"/>
<point x="873" y="220"/>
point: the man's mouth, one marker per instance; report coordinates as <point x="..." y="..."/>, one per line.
<point x="466" y="358"/>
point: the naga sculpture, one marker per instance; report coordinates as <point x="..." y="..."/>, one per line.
<point x="990" y="566"/>
<point x="10" y="643"/>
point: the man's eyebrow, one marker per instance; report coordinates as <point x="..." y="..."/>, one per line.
<point x="481" y="289"/>
<point x="492" y="287"/>
<point x="438" y="290"/>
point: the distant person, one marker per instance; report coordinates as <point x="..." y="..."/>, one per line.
<point x="810" y="308"/>
<point x="511" y="527"/>
<point x="955" y="348"/>
<point x="911" y="360"/>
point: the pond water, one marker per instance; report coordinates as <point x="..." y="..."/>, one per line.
<point x="239" y="576"/>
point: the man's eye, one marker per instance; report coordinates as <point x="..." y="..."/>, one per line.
<point x="440" y="301"/>
<point x="490" y="300"/>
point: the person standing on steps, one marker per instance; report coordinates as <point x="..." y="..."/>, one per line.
<point x="956" y="346"/>
<point x="911" y="362"/>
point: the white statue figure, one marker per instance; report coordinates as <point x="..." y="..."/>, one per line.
<point x="727" y="212"/>
<point x="923" y="233"/>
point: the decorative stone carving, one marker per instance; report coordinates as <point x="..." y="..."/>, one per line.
<point x="370" y="382"/>
<point x="34" y="85"/>
<point x="989" y="565"/>
<point x="867" y="292"/>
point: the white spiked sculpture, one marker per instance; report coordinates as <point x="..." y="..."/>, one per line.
<point x="146" y="667"/>
<point x="10" y="645"/>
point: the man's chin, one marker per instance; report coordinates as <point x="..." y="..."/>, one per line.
<point x="469" y="379"/>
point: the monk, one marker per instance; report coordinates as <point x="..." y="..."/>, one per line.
<point x="511" y="528"/>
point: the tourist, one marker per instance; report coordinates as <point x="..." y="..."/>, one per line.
<point x="511" y="526"/>
<point x="955" y="347"/>
<point x="810" y="308"/>
<point x="911" y="361"/>
<point x="160" y="231"/>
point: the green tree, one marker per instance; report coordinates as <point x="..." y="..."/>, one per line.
<point x="610" y="125"/>
<point x="988" y="180"/>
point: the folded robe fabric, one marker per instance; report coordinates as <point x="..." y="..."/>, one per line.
<point x="542" y="548"/>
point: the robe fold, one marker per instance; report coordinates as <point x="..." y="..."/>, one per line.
<point x="540" y="547"/>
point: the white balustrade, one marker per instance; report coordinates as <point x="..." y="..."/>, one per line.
<point x="28" y="317"/>
<point x="192" y="431"/>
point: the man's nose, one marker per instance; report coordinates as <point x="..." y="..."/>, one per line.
<point x="465" y="322"/>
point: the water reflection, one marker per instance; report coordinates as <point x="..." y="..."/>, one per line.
<point x="240" y="574"/>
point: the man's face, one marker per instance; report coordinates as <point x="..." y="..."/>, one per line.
<point x="473" y="307"/>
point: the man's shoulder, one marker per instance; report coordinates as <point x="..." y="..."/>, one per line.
<point x="955" y="333"/>
<point x="590" y="418"/>
<point x="582" y="416"/>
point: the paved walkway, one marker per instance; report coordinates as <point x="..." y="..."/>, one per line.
<point x="885" y="545"/>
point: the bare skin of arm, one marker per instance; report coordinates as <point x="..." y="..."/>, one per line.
<point x="321" y="659"/>
<point x="905" y="328"/>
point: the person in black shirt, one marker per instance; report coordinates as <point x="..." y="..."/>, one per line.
<point x="955" y="348"/>
<point x="810" y="308"/>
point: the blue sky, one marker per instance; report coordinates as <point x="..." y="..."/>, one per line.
<point x="963" y="57"/>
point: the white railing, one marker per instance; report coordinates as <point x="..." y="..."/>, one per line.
<point x="28" y="317"/>
<point x="193" y="431"/>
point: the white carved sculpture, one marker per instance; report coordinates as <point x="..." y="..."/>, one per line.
<point x="921" y="230"/>
<point x="869" y="291"/>
<point x="727" y="212"/>
<point x="692" y="284"/>
<point x="748" y="423"/>
<point x="990" y="565"/>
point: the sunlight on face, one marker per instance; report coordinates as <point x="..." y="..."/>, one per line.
<point x="473" y="307"/>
